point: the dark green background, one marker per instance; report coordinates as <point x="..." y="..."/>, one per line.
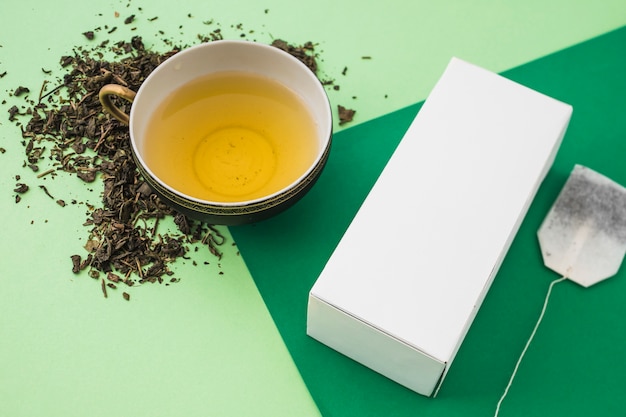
<point x="575" y="365"/>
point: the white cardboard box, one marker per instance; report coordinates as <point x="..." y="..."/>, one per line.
<point x="402" y="288"/>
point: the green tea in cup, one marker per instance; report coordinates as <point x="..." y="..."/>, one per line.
<point x="230" y="136"/>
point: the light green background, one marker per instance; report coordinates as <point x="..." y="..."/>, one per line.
<point x="207" y="345"/>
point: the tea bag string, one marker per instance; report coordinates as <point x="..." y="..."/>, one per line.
<point x="528" y="342"/>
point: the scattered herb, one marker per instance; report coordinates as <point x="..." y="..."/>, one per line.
<point x="305" y="53"/>
<point x="113" y="277"/>
<point x="104" y="288"/>
<point x="20" y="90"/>
<point x="345" y="115"/>
<point x="20" y="188"/>
<point x="66" y="125"/>
<point x="45" y="190"/>
<point x="13" y="111"/>
<point x="76" y="263"/>
<point x="49" y="171"/>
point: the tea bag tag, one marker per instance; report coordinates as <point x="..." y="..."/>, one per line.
<point x="583" y="237"/>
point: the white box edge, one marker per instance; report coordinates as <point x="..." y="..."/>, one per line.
<point x="409" y="365"/>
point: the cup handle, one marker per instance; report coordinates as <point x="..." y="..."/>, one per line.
<point x="120" y="91"/>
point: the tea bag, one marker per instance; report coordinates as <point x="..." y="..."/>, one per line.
<point x="583" y="237"/>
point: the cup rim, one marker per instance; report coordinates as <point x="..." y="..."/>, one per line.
<point x="325" y="136"/>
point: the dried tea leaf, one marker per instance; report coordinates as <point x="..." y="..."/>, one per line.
<point x="305" y="53"/>
<point x="20" y="90"/>
<point x="345" y="115"/>
<point x="76" y="263"/>
<point x="20" y="188"/>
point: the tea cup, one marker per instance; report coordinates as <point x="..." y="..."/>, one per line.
<point x="231" y="159"/>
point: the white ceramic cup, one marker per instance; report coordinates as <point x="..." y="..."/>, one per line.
<point x="213" y="57"/>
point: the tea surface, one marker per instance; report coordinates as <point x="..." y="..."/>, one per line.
<point x="230" y="136"/>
